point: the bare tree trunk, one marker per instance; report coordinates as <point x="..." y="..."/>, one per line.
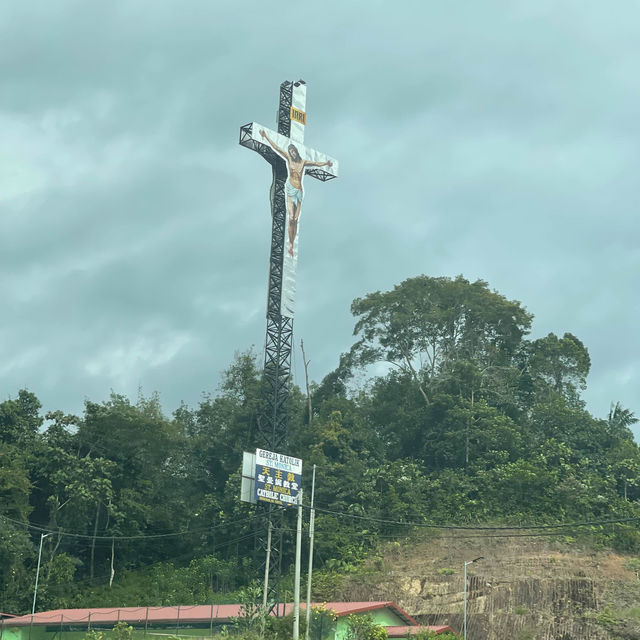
<point x="53" y="555"/>
<point x="306" y="379"/>
<point x="466" y="444"/>
<point x="93" y="540"/>
<point x="112" y="557"/>
<point x="414" y="375"/>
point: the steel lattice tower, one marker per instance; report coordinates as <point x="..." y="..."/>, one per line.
<point x="272" y="421"/>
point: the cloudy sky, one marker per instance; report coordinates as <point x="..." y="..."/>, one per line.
<point x="498" y="140"/>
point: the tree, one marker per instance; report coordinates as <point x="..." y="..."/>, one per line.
<point x="364" y="628"/>
<point x="476" y="433"/>
<point x="20" y="418"/>
<point x="149" y="484"/>
<point x="623" y="460"/>
<point x="16" y="549"/>
<point x="222" y="426"/>
<point x="558" y="365"/>
<point x="619" y="420"/>
<point x="571" y="425"/>
<point x="424" y="325"/>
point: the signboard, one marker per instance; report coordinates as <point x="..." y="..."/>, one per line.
<point x="248" y="483"/>
<point x="278" y="478"/>
<point x="298" y="115"/>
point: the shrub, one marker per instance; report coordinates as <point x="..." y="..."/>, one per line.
<point x="363" y="628"/>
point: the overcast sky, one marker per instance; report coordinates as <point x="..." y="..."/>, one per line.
<point x="497" y="140"/>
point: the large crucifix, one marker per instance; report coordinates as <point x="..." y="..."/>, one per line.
<point x="290" y="161"/>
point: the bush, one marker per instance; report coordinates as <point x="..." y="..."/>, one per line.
<point x="363" y="628"/>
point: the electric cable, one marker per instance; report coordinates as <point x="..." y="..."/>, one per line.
<point x="425" y="525"/>
<point x="147" y="567"/>
<point x="71" y="534"/>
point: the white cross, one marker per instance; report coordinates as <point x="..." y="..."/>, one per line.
<point x="300" y="161"/>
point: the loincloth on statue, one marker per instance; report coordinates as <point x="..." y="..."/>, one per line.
<point x="296" y="195"/>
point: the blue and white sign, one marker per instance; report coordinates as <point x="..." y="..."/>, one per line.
<point x="278" y="478"/>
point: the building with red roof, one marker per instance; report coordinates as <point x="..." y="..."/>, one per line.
<point x="197" y="621"/>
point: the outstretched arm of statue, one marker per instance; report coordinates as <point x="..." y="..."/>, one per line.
<point x="274" y="146"/>
<point x="328" y="163"/>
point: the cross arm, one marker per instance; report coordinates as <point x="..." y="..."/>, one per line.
<point x="260" y="146"/>
<point x="322" y="167"/>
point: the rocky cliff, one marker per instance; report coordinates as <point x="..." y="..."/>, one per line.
<point x="523" y="588"/>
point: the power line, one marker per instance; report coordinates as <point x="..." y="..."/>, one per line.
<point x="146" y="567"/>
<point x="402" y="523"/>
<point x="425" y="525"/>
<point x="70" y="534"/>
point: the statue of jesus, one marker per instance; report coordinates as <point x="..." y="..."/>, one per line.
<point x="293" y="186"/>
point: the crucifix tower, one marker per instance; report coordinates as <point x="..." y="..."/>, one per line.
<point x="290" y="161"/>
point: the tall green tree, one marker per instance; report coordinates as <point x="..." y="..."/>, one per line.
<point x="425" y="325"/>
<point x="16" y="549"/>
<point x="558" y="365"/>
<point x="20" y="418"/>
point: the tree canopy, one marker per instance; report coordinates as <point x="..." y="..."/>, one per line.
<point x="471" y="421"/>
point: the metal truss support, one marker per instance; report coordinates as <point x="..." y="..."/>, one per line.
<point x="272" y="422"/>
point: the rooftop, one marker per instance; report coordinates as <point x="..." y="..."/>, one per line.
<point x="194" y="613"/>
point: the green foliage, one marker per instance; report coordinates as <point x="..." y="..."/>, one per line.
<point x="467" y="421"/>
<point x="326" y="584"/>
<point x="608" y="617"/>
<point x="122" y="631"/>
<point x="633" y="564"/>
<point x="15" y="545"/>
<point x="432" y="635"/>
<point x="253" y="615"/>
<point x="559" y="365"/>
<point x="626" y="538"/>
<point x="362" y="627"/>
<point x="14" y="483"/>
<point x="425" y="325"/>
<point x="20" y="419"/>
<point x="632" y="613"/>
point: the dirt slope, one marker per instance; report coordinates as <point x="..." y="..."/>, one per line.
<point x="523" y="588"/>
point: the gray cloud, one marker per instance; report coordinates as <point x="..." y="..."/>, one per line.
<point x="500" y="142"/>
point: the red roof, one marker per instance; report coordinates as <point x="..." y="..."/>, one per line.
<point x="195" y="613"/>
<point x="403" y="632"/>
<point x="347" y="608"/>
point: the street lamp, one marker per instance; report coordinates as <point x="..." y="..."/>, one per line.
<point x="468" y="562"/>
<point x="35" y="589"/>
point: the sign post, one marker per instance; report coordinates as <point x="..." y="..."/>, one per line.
<point x="296" y="580"/>
<point x="312" y="518"/>
<point x="276" y="481"/>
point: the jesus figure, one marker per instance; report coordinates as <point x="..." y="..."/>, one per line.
<point x="293" y="186"/>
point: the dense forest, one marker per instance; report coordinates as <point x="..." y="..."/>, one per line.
<point x="443" y="412"/>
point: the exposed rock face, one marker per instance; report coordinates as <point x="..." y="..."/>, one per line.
<point x="537" y="608"/>
<point x="541" y="590"/>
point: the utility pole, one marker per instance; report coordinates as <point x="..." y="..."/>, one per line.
<point x="464" y="636"/>
<point x="35" y="589"/>
<point x="312" y="519"/>
<point x="296" y="581"/>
